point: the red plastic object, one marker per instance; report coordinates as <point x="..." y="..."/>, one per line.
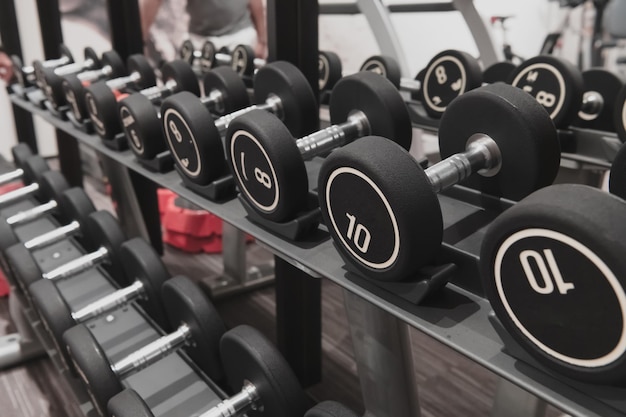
<point x="10" y="187"/>
<point x="193" y="244"/>
<point x="196" y="223"/>
<point x="4" y="285"/>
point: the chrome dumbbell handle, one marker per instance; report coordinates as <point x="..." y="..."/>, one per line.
<point x="109" y="302"/>
<point x="78" y="265"/>
<point x="52" y="236"/>
<point x="32" y="214"/>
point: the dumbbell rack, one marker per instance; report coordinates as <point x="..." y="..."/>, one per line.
<point x="458" y="317"/>
<point x="120" y="332"/>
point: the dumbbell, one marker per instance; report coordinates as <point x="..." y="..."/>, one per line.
<point x="102" y="235"/>
<point x="26" y="76"/>
<point x="141" y="264"/>
<point x="268" y="386"/>
<point x="207" y="56"/>
<point x="330" y="409"/>
<point x="619" y="114"/>
<point x="51" y="79"/>
<point x="194" y="138"/>
<point x="102" y="97"/>
<point x="498" y="72"/>
<point x="57" y="198"/>
<point x="74" y="85"/>
<point x="30" y="171"/>
<point x="21" y="152"/>
<point x="388" y="232"/>
<point x="448" y="74"/>
<point x="552" y="268"/>
<point x="268" y="163"/>
<point x="566" y="94"/>
<point x="225" y="92"/>
<point x="330" y="70"/>
<point x="198" y="328"/>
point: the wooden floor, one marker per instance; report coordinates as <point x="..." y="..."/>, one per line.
<point x="449" y="384"/>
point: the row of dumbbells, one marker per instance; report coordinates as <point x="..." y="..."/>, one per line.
<point x="241" y="361"/>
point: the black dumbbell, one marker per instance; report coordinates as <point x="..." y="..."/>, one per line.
<point x="387" y="232"/>
<point x="448" y="74"/>
<point x="225" y="92"/>
<point x="21" y="152"/>
<point x="195" y="139"/>
<point x="141" y="264"/>
<point x="198" y="328"/>
<point x="102" y="236"/>
<point x="74" y="85"/>
<point x="245" y="62"/>
<point x="552" y="267"/>
<point x="51" y="79"/>
<point x="26" y="76"/>
<point x="268" y="163"/>
<point x="498" y="72"/>
<point x="330" y="409"/>
<point x="208" y="56"/>
<point x="58" y="199"/>
<point x="561" y="89"/>
<point x="102" y="97"/>
<point x="619" y="114"/>
<point x="330" y="70"/>
<point x="30" y="172"/>
<point x="266" y="383"/>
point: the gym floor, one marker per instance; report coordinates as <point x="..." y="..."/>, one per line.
<point x="449" y="384"/>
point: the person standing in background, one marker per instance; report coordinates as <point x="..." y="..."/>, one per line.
<point x="6" y="67"/>
<point x="223" y="22"/>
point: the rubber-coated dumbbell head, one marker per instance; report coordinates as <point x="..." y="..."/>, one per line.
<point x="617" y="178"/>
<point x="226" y="81"/>
<point x="555" y="83"/>
<point x="142" y="126"/>
<point x="603" y="86"/>
<point x="619" y="115"/>
<point x="384" y="66"/>
<point x="39" y="65"/>
<point x="285" y="81"/>
<point x="100" y="102"/>
<point x="180" y="71"/>
<point x="128" y="404"/>
<point x="553" y="270"/>
<point x="330" y="69"/>
<point x="21" y="152"/>
<point x="74" y="87"/>
<point x="525" y="136"/>
<point x="243" y="60"/>
<point x="207" y="54"/>
<point x="330" y="409"/>
<point x="137" y="63"/>
<point x="141" y="263"/>
<point x="448" y="75"/>
<point x="186" y="52"/>
<point x="265" y="157"/>
<point x="498" y="72"/>
<point x="186" y="306"/>
<point x="193" y="138"/>
<point x="34" y="167"/>
<point x="249" y="357"/>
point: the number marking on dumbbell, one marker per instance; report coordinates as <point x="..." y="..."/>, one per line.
<point x="178" y="127"/>
<point x="545" y="83"/>
<point x="261" y="185"/>
<point x="93" y="113"/>
<point x="240" y="60"/>
<point x="324" y="70"/>
<point x="542" y="275"/>
<point x="451" y="80"/>
<point x="348" y="221"/>
<point x="128" y="121"/>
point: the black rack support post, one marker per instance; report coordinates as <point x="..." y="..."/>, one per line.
<point x="292" y="31"/>
<point x="125" y="24"/>
<point x="52" y="37"/>
<point x="10" y="36"/>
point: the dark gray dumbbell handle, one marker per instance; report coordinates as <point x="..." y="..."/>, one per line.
<point x="74" y="68"/>
<point x="152" y="352"/>
<point x="11" y="176"/>
<point x="109" y="302"/>
<point x="121" y="82"/>
<point x="482" y="156"/>
<point x="96" y="74"/>
<point x="32" y="214"/>
<point x="273" y="104"/>
<point x="412" y="86"/>
<point x="245" y="400"/>
<point x="78" y="265"/>
<point x="50" y="63"/>
<point x="52" y="236"/>
<point x="19" y="193"/>
<point x="591" y="106"/>
<point x="333" y="136"/>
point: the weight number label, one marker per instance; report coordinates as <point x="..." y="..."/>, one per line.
<point x="440" y="73"/>
<point x="546" y="99"/>
<point x="546" y="84"/>
<point x="549" y="273"/>
<point x="358" y="234"/>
